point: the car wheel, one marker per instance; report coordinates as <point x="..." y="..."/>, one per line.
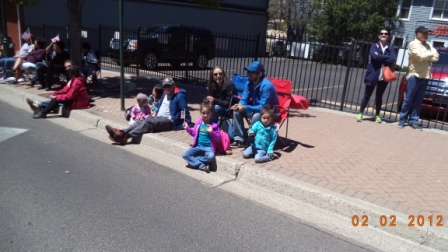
<point x="175" y="64"/>
<point x="201" y="61"/>
<point x="150" y="61"/>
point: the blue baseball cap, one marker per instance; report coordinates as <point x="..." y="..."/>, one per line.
<point x="256" y="66"/>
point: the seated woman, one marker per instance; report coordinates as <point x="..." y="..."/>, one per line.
<point x="73" y="95"/>
<point x="220" y="92"/>
<point x="30" y="60"/>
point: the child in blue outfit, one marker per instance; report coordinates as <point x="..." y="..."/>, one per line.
<point x="206" y="138"/>
<point x="265" y="137"/>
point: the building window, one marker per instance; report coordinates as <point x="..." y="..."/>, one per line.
<point x="438" y="44"/>
<point x="405" y="9"/>
<point x="398" y="42"/>
<point x="440" y="10"/>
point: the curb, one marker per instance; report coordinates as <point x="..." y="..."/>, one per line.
<point x="295" y="192"/>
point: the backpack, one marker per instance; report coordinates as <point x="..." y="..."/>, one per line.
<point x="224" y="143"/>
<point x="127" y="113"/>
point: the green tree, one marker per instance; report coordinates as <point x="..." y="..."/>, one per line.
<point x="295" y="14"/>
<point x="339" y="20"/>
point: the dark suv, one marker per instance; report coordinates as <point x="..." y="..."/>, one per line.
<point x="172" y="44"/>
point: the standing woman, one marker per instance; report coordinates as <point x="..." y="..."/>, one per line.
<point x="220" y="93"/>
<point x="381" y="54"/>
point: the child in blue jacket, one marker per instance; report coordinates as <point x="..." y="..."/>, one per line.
<point x="206" y="138"/>
<point x="265" y="137"/>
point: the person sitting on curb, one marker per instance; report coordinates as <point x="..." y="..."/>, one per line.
<point x="206" y="136"/>
<point x="258" y="92"/>
<point x="74" y="95"/>
<point x="220" y="93"/>
<point x="265" y="137"/>
<point x="172" y="114"/>
<point x="141" y="110"/>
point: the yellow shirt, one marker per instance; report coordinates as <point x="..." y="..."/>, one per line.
<point x="420" y="58"/>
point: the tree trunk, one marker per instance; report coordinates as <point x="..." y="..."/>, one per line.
<point x="74" y="9"/>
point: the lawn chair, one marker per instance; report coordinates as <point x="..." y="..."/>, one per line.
<point x="287" y="100"/>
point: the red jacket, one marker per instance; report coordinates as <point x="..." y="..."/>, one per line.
<point x="76" y="92"/>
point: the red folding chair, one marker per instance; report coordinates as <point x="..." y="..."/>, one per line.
<point x="287" y="100"/>
<point x="283" y="88"/>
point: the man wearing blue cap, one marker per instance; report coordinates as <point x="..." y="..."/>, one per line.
<point x="258" y="92"/>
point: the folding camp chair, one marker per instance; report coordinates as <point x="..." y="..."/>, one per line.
<point x="283" y="88"/>
<point x="287" y="100"/>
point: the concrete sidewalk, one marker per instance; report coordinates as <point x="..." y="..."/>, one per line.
<point x="400" y="170"/>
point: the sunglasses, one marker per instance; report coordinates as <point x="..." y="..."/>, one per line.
<point x="384" y="33"/>
<point x="216" y="74"/>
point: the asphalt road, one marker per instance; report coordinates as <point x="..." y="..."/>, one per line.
<point x="63" y="191"/>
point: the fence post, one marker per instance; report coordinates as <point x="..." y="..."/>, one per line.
<point x="257" y="46"/>
<point x="347" y="74"/>
<point x="43" y="31"/>
<point x="187" y="55"/>
<point x="67" y="35"/>
<point x="100" y="40"/>
<point x="138" y="43"/>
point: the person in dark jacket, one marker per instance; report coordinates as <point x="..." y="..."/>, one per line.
<point x="171" y="115"/>
<point x="54" y="65"/>
<point x="381" y="54"/>
<point x="220" y="93"/>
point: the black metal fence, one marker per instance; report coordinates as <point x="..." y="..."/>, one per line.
<point x="329" y="76"/>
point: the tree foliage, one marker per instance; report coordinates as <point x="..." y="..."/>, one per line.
<point x="340" y="20"/>
<point x="295" y="14"/>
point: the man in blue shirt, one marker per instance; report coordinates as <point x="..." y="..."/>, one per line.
<point x="258" y="92"/>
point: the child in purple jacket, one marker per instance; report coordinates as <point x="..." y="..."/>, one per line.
<point x="206" y="138"/>
<point x="141" y="110"/>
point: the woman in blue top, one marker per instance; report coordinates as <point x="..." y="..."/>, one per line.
<point x="381" y="54"/>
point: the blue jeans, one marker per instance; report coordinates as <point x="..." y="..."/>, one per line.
<point x="219" y="112"/>
<point x="36" y="77"/>
<point x="261" y="156"/>
<point x="7" y="64"/>
<point x="413" y="101"/>
<point x="238" y="124"/>
<point x="197" y="157"/>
